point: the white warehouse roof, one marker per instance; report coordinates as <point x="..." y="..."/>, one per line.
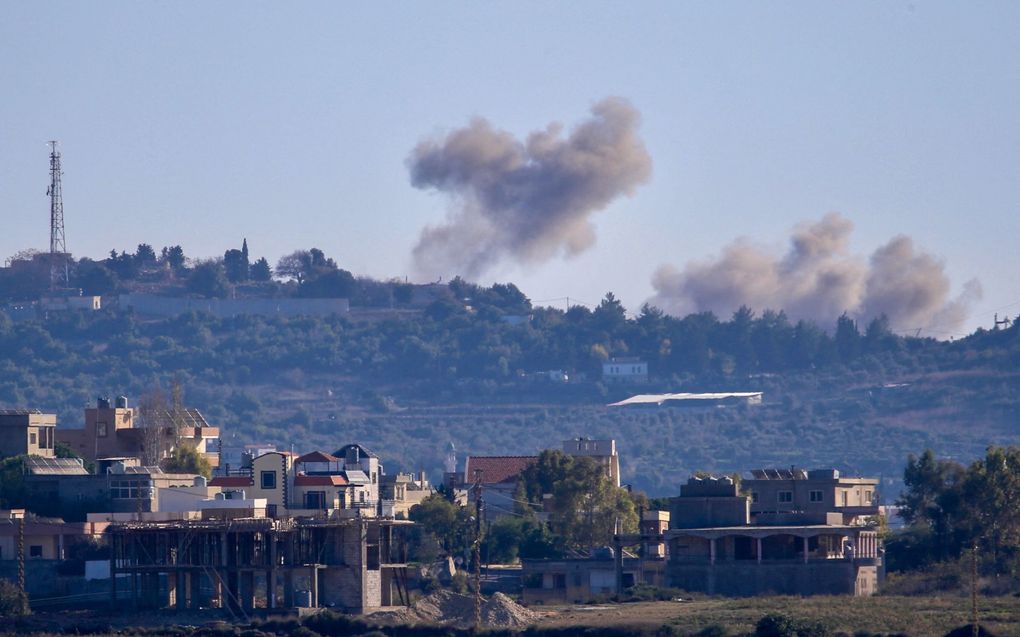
<point x="659" y="399"/>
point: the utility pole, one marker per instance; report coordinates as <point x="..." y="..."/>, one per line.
<point x="20" y="513"/>
<point x="974" y="630"/>
<point x="58" y="245"/>
<point x="479" y="510"/>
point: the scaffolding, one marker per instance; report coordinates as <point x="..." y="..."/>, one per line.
<point x="242" y="564"/>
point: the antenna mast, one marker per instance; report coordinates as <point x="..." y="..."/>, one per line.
<point x="58" y="245"/>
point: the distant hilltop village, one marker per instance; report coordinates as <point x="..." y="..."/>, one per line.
<point x="143" y="505"/>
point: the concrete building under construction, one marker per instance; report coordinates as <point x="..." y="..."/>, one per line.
<point x="354" y="565"/>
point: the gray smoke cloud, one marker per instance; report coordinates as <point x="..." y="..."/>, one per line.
<point x="818" y="279"/>
<point x="525" y="201"/>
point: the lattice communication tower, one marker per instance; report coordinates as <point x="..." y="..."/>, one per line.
<point x="58" y="244"/>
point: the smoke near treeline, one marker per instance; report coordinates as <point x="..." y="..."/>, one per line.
<point x="818" y="279"/>
<point x="525" y="201"/>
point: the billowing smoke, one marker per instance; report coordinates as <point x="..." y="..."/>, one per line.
<point x="525" y="201"/>
<point x="818" y="279"/>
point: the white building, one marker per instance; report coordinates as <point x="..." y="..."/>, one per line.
<point x="625" y="370"/>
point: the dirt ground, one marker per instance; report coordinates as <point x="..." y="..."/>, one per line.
<point x="914" y="616"/>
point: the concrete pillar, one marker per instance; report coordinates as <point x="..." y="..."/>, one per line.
<point x="805" y="542"/>
<point x="233" y="592"/>
<point x="183" y="586"/>
<point x="711" y="551"/>
<point x="217" y="584"/>
<point x="288" y="588"/>
<point x="315" y="586"/>
<point x="171" y="590"/>
<point x="191" y="589"/>
<point x="247" y="590"/>
<point x="618" y="560"/>
<point x="757" y="542"/>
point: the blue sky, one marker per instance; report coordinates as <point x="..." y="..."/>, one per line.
<point x="202" y="123"/>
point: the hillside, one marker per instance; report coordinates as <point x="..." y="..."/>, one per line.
<point x="407" y="384"/>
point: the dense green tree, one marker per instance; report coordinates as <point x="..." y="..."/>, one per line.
<point x="186" y="459"/>
<point x="209" y="280"/>
<point x="236" y="266"/>
<point x="173" y="256"/>
<point x="332" y="284"/>
<point x="145" y="255"/>
<point x="848" y="339"/>
<point x="95" y="278"/>
<point x="589" y="508"/>
<point x="260" y="270"/>
<point x="453" y="526"/>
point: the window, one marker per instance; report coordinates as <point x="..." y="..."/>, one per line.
<point x="868" y="497"/>
<point x="362" y="496"/>
<point x="844" y="498"/>
<point x="754" y="496"/>
<point x="785" y="497"/>
<point x="101" y="429"/>
<point x="315" y="500"/>
<point x="815" y="496"/>
<point x="128" y="489"/>
<point x="268" y="479"/>
<point x="271" y="510"/>
<point x="32" y="438"/>
<point x="35" y="550"/>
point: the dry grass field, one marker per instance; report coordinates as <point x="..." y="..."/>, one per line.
<point x="914" y="616"/>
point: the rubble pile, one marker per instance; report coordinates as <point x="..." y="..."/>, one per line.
<point x="445" y="607"/>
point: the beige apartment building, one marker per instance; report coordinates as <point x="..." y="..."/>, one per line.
<point x="778" y="492"/>
<point x="114" y="430"/>
<point x="24" y="432"/>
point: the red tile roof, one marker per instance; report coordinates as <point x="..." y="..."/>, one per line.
<point x="320" y="481"/>
<point x="231" y="481"/>
<point x="316" y="456"/>
<point x="496" y="469"/>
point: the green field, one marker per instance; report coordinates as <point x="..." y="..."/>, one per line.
<point x="914" y="616"/>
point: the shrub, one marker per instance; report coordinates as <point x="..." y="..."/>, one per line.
<point x="13" y="601"/>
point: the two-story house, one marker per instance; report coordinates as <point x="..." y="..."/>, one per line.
<point x="778" y="492"/>
<point x="24" y="432"/>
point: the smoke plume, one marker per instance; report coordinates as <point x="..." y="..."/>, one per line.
<point x="526" y="201"/>
<point x="818" y="279"/>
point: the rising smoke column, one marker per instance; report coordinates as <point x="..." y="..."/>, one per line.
<point x="525" y="201"/>
<point x="818" y="279"/>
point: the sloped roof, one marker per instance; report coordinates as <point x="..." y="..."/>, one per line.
<point x="659" y="399"/>
<point x="320" y="481"/>
<point x="355" y="476"/>
<point x="231" y="481"/>
<point x="362" y="451"/>
<point x="316" y="456"/>
<point x="496" y="469"/>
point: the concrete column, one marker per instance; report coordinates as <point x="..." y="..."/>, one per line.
<point x="217" y="583"/>
<point x="711" y="551"/>
<point x="618" y="559"/>
<point x="288" y="588"/>
<point x="757" y="541"/>
<point x="248" y="590"/>
<point x="171" y="590"/>
<point x="191" y="589"/>
<point x="805" y="540"/>
<point x="233" y="592"/>
<point x="315" y="587"/>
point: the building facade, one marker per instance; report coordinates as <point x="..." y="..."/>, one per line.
<point x="24" y="432"/>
